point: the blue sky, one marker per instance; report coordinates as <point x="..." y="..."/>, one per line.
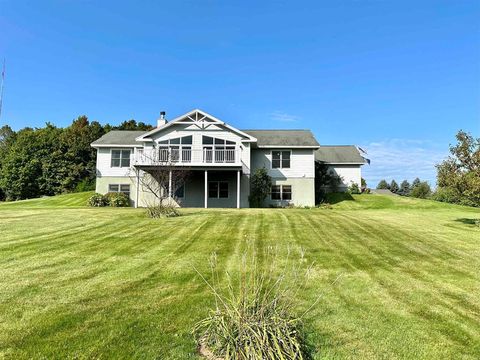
<point x="398" y="78"/>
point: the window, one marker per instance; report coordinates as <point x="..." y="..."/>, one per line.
<point x="218" y="150"/>
<point x="281" y="192"/>
<point x="123" y="188"/>
<point x="218" y="189"/>
<point x="286" y="192"/>
<point x="280" y="159"/>
<point x="276" y="192"/>
<point x="120" y="158"/>
<point x="176" y="149"/>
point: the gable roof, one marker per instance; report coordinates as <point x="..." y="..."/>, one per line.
<point x="265" y="138"/>
<point x="284" y="138"/>
<point x="121" y="138"/>
<point x="192" y="117"/>
<point x="339" y="154"/>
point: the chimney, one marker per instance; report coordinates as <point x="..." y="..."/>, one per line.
<point x="161" y="120"/>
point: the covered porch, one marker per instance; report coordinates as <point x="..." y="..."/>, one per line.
<point x="205" y="187"/>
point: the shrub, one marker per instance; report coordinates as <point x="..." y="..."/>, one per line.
<point x="320" y="195"/>
<point x="261" y="184"/>
<point x="85" y="185"/>
<point x="326" y="180"/>
<point x="421" y="190"/>
<point x="354" y="189"/>
<point x="117" y="199"/>
<point x="162" y="211"/>
<point x="97" y="200"/>
<point x="256" y="321"/>
<point x="447" y="195"/>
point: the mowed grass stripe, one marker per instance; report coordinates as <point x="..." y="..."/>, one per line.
<point x="111" y="283"/>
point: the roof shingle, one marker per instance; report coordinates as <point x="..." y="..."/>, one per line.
<point x="294" y="138"/>
<point x="339" y="154"/>
<point x="120" y="137"/>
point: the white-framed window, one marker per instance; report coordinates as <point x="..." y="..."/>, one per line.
<point x="120" y="158"/>
<point x="281" y="159"/>
<point x="123" y="188"/>
<point x="218" y="189"/>
<point x="176" y="149"/>
<point x="218" y="150"/>
<point x="281" y="192"/>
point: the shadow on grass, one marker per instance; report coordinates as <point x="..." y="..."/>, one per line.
<point x="335" y="198"/>
<point x="469" y="221"/>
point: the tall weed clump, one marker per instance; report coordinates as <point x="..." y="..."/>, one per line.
<point x="255" y="313"/>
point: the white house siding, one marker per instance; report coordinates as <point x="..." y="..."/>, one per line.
<point x="103" y="182"/>
<point x="181" y="130"/>
<point x="303" y="192"/>
<point x="302" y="163"/>
<point x="104" y="159"/>
<point x="349" y="174"/>
<point x="300" y="175"/>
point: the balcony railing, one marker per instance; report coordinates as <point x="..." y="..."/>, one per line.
<point x="182" y="156"/>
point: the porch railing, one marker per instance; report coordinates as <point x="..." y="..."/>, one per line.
<point x="185" y="156"/>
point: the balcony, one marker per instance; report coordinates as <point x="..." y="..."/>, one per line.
<point x="174" y="156"/>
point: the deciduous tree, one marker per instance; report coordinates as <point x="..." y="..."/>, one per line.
<point x="459" y="175"/>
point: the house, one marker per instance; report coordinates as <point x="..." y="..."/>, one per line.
<point x="344" y="161"/>
<point x="219" y="159"/>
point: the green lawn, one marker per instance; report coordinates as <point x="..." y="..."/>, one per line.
<point x="78" y="282"/>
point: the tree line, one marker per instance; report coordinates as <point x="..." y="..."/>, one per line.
<point x="458" y="176"/>
<point x="418" y="188"/>
<point x="51" y="160"/>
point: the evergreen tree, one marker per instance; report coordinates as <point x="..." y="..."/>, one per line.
<point x="394" y="187"/>
<point x="415" y="183"/>
<point x="404" y="188"/>
<point x="382" y="184"/>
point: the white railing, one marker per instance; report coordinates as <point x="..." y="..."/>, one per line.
<point x="181" y="156"/>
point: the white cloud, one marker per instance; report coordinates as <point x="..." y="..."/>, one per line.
<point x="284" y="117"/>
<point x="401" y="159"/>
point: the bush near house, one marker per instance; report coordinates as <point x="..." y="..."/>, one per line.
<point x="326" y="181"/>
<point x="113" y="199"/>
<point x="354" y="189"/>
<point x="97" y="200"/>
<point x="117" y="199"/>
<point x="260" y="187"/>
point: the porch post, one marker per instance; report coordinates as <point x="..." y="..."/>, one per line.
<point x="137" y="188"/>
<point x="170" y="184"/>
<point x="206" y="189"/>
<point x="238" y="189"/>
